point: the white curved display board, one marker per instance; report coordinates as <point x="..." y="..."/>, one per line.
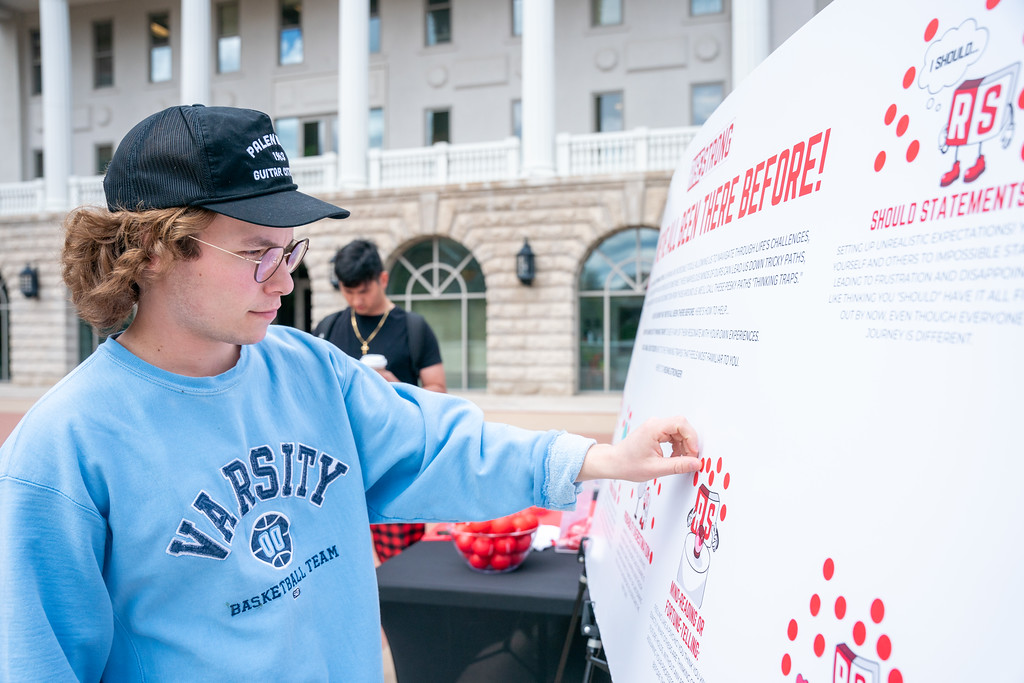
<point x="837" y="304"/>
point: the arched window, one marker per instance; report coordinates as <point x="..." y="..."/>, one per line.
<point x="439" y="279"/>
<point x="5" y="333"/>
<point x="611" y="289"/>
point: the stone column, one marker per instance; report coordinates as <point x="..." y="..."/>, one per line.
<point x="195" y="51"/>
<point x="751" y="37"/>
<point x="10" y="107"/>
<point x="538" y="104"/>
<point x="353" y="92"/>
<point x="55" y="35"/>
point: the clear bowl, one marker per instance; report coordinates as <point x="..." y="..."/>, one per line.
<point x="492" y="553"/>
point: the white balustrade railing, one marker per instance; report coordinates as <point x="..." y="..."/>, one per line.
<point x="640" y="149"/>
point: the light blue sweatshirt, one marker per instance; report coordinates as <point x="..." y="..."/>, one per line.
<point x="159" y="527"/>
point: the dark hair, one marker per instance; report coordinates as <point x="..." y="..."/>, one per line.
<point x="357" y="262"/>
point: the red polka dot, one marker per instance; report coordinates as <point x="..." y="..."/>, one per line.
<point x="696" y="478"/>
<point x="895" y="676"/>
<point x="786" y="664"/>
<point x="721" y="513"/>
<point x="792" y="630"/>
<point x="659" y="489"/>
<point x="1022" y="153"/>
<point x="840" y="607"/>
<point x="819" y="644"/>
<point x="859" y="633"/>
<point x="884" y="647"/>
<point x="652" y="522"/>
<point x="711" y="479"/>
<point x="901" y="127"/>
<point x="908" y="78"/>
<point x="725" y="482"/>
<point x="879" y="161"/>
<point x="890" y="114"/>
<point x="829" y="569"/>
<point x="991" y="4"/>
<point x="718" y="466"/>
<point x="912" y="150"/>
<point x="815" y="605"/>
<point x="877" y="611"/>
<point x="1020" y="100"/>
<point x="933" y="27"/>
<point x="707" y="465"/>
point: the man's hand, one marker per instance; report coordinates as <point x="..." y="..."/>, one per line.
<point x="639" y="457"/>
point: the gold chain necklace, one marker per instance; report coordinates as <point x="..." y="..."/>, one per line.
<point x="366" y="342"/>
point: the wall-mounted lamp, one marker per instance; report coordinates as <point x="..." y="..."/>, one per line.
<point x="525" y="269"/>
<point x="28" y="282"/>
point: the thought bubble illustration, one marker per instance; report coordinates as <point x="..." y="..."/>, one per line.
<point x="947" y="59"/>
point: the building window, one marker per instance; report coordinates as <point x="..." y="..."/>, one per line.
<point x="605" y="12"/>
<point x="308" y="137"/>
<point x="442" y="281"/>
<point x="517" y="17"/>
<point x="36" y="60"/>
<point x="291" y="32"/>
<point x="517" y="118"/>
<point x="104" y="153"/>
<point x="37" y="163"/>
<point x="229" y="41"/>
<point x="374" y="28"/>
<point x="5" y="333"/>
<point x="611" y="289"/>
<point x="704" y="99"/>
<point x="439" y="22"/>
<point x="702" y="7"/>
<point x="103" y="54"/>
<point x="608" y="112"/>
<point x="160" y="59"/>
<point x="438" y="126"/>
<point x="376" y="128"/>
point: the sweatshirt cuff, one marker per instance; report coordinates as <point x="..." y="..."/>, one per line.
<point x="565" y="458"/>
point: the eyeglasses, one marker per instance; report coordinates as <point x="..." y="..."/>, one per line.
<point x="269" y="261"/>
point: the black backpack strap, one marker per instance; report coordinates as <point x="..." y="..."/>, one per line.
<point x="327" y="325"/>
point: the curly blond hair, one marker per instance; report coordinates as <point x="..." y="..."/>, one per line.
<point x="107" y="256"/>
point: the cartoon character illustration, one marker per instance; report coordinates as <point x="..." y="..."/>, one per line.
<point x="703" y="535"/>
<point x="642" y="512"/>
<point x="981" y="110"/>
<point x="848" y="667"/>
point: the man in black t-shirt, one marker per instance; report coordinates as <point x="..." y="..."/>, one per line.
<point x="372" y="323"/>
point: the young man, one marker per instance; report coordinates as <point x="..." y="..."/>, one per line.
<point x="194" y="500"/>
<point x="372" y="323"/>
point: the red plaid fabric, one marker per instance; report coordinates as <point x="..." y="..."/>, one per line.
<point x="391" y="539"/>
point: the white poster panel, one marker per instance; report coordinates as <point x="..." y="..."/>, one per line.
<point x="837" y="304"/>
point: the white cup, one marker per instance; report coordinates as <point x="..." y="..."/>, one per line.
<point x="375" y="361"/>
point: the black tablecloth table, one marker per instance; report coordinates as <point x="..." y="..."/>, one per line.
<point x="447" y="623"/>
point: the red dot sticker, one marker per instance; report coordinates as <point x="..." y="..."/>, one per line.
<point x="933" y="27"/>
<point x="901" y="127"/>
<point x="792" y="630"/>
<point x="696" y="478"/>
<point x="991" y="4"/>
<point x="1020" y="100"/>
<point x="895" y="676"/>
<point x="840" y="607"/>
<point x="786" y="665"/>
<point x="721" y="514"/>
<point x="859" y="633"/>
<point x="912" y="150"/>
<point x="884" y="647"/>
<point x="877" y="611"/>
<point x="815" y="605"/>
<point x="718" y="466"/>
<point x="819" y="645"/>
<point x="879" y="161"/>
<point x="908" y="78"/>
<point x="890" y="114"/>
<point x="725" y="482"/>
<point x="711" y="479"/>
<point x="829" y="569"/>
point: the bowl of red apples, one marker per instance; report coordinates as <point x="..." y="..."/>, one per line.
<point x="498" y="545"/>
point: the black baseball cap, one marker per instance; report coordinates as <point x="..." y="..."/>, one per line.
<point x="225" y="159"/>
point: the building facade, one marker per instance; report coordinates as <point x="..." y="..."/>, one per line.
<point x="467" y="129"/>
